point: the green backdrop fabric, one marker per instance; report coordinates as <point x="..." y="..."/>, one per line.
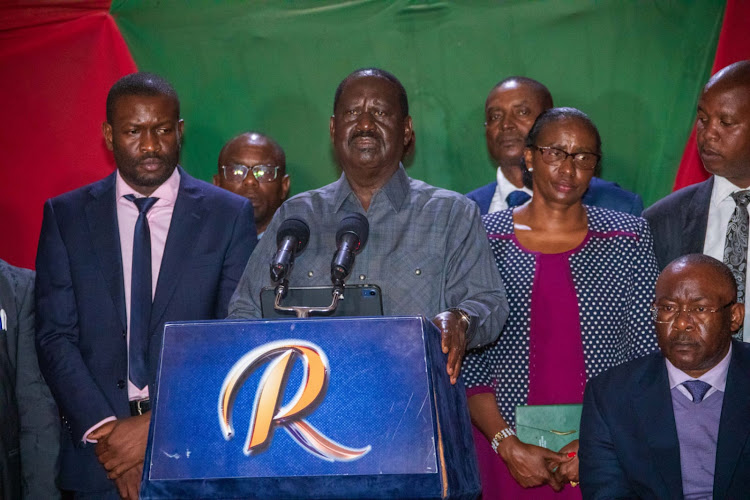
<point x="635" y="67"/>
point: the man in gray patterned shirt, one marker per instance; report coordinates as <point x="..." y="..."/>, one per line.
<point x="427" y="249"/>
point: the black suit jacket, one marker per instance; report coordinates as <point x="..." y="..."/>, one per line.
<point x="80" y="299"/>
<point x="629" y="446"/>
<point x="678" y="222"/>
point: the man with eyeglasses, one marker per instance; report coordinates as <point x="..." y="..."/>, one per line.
<point x="674" y="424"/>
<point x="711" y="217"/>
<point x="510" y="110"/>
<point x="253" y="165"/>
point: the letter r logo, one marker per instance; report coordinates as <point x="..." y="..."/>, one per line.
<point x="267" y="411"/>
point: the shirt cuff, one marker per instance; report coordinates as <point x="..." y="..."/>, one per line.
<point x="95" y="427"/>
<point x="480" y="389"/>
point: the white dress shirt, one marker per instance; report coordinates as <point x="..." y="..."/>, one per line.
<point x="504" y="188"/>
<point x="720" y="210"/>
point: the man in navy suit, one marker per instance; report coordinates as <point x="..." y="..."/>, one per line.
<point x="674" y="424"/>
<point x="510" y="110"/>
<point x="90" y="249"/>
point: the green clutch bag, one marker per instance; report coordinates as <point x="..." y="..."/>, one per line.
<point x="548" y="426"/>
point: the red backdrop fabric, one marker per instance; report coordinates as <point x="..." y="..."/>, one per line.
<point x="733" y="46"/>
<point x="59" y="60"/>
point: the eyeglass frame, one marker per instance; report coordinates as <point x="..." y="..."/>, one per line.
<point x="251" y="169"/>
<point x="543" y="149"/>
<point x="688" y="310"/>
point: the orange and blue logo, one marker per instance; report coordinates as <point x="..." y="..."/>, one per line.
<point x="268" y="412"/>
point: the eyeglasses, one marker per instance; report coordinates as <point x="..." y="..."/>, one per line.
<point x="262" y="173"/>
<point x="555" y="157"/>
<point x="668" y="313"/>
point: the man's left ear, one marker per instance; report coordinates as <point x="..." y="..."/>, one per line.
<point x="181" y="127"/>
<point x="737" y="312"/>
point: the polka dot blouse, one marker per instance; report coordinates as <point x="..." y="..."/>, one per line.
<point x="614" y="274"/>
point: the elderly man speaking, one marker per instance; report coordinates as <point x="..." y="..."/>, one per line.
<point x="427" y="249"/>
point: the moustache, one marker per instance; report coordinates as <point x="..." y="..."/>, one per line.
<point x="510" y="137"/>
<point x="682" y="338"/>
<point x="363" y="133"/>
<point x="149" y="156"/>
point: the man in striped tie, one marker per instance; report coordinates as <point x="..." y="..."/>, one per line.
<point x="711" y="217"/>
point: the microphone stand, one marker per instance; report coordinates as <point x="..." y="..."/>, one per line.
<point x="304" y="311"/>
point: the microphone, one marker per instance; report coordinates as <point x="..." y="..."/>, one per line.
<point x="350" y="238"/>
<point x="291" y="239"/>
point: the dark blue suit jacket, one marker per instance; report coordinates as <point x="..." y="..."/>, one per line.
<point x="678" y="222"/>
<point x="629" y="446"/>
<point x="600" y="193"/>
<point x="80" y="299"/>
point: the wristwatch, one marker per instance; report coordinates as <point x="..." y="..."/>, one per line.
<point x="503" y="434"/>
<point x="463" y="316"/>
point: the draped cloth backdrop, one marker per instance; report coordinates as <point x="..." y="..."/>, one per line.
<point x="635" y="67"/>
<point x="58" y="61"/>
<point x="734" y="45"/>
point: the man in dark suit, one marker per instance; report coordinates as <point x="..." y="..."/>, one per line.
<point x="711" y="217"/>
<point x="680" y="221"/>
<point x="510" y="110"/>
<point x="29" y="423"/>
<point x="147" y="228"/>
<point x="674" y="424"/>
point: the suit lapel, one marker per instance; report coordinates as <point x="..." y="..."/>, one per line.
<point x="654" y="409"/>
<point x="697" y="218"/>
<point x="101" y="216"/>
<point x="183" y="233"/>
<point x="734" y="426"/>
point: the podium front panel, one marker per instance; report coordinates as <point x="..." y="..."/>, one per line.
<point x="313" y="408"/>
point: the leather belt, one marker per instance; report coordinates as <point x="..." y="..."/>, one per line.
<point x="140" y="406"/>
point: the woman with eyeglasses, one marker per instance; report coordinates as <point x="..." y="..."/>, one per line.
<point x="580" y="280"/>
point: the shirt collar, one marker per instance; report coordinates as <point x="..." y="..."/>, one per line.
<point x="395" y="190"/>
<point x="716" y="376"/>
<point x="507" y="187"/>
<point x="722" y="190"/>
<point x="167" y="192"/>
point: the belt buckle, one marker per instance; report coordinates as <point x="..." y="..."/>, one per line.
<point x="141" y="405"/>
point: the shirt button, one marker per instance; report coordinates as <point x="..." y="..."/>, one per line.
<point x="310" y="274"/>
<point x="417" y="271"/>
<point x="120" y="384"/>
<point x="124" y="334"/>
<point x="362" y="277"/>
